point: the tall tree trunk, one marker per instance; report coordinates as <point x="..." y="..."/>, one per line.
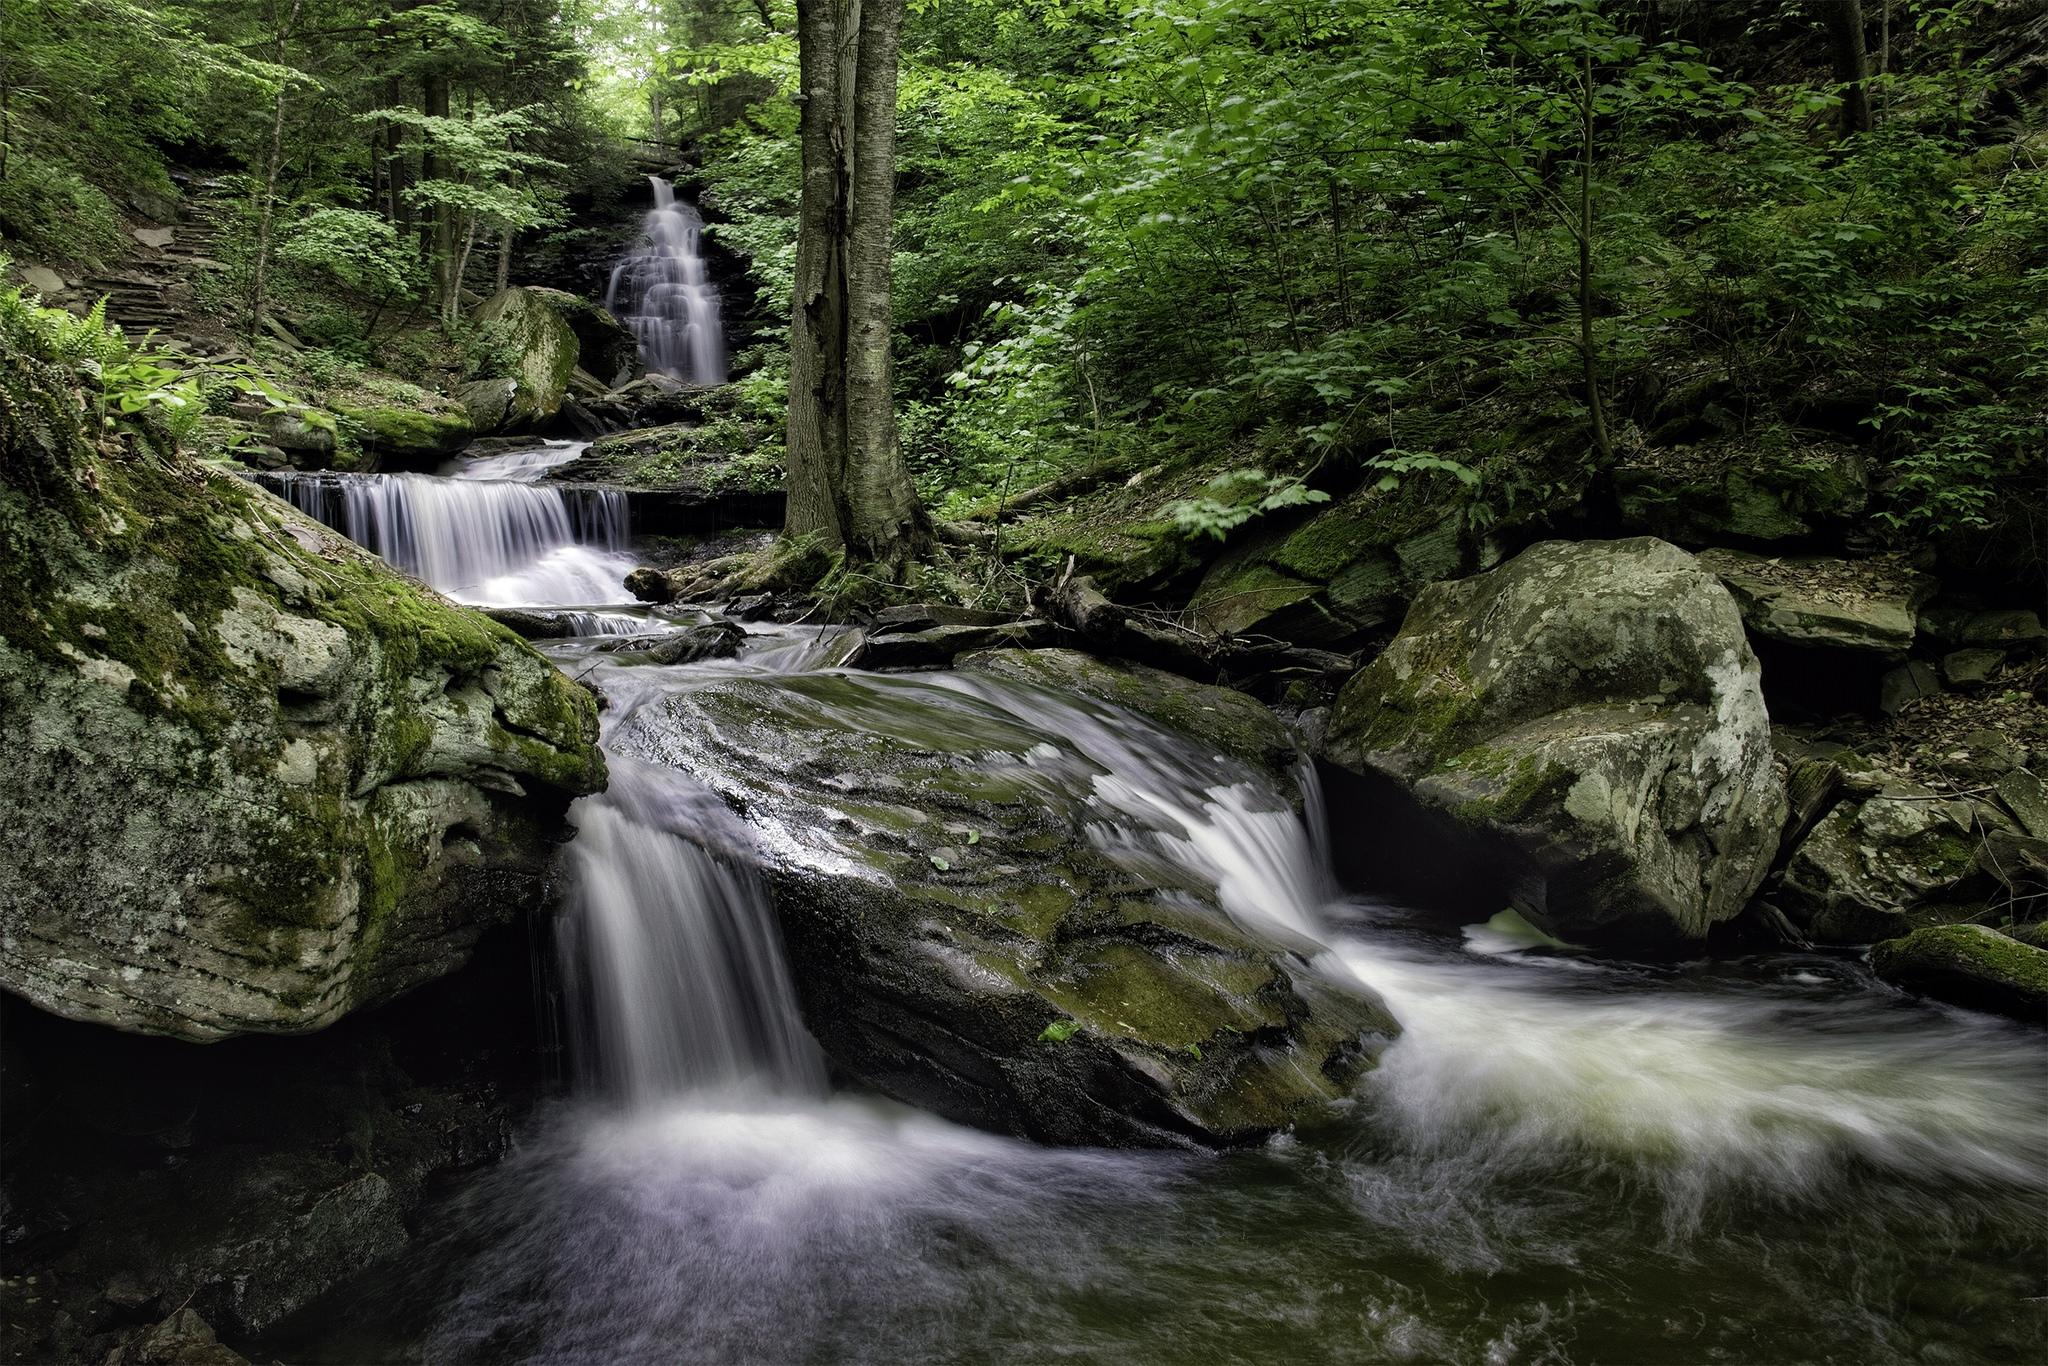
<point x="817" y="338"/>
<point x="1844" y="19"/>
<point x="437" y="230"/>
<point x="1589" y="357"/>
<point x="847" y="479"/>
<point x="886" y="522"/>
<point x="259" y="276"/>
<point x="504" y="277"/>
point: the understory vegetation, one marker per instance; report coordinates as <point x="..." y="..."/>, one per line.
<point x="1495" y="246"/>
<point x="1487" y="258"/>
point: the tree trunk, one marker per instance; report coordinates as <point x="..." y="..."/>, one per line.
<point x="504" y="259"/>
<point x="259" y="276"/>
<point x="847" y="480"/>
<point x="887" y="525"/>
<point x="437" y="232"/>
<point x="1589" y="357"/>
<point x="1844" y="19"/>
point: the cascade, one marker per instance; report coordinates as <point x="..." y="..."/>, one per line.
<point x="662" y="290"/>
<point x="490" y="542"/>
<point x="676" y="979"/>
<point x="1562" y="1158"/>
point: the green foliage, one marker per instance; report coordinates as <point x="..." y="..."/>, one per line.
<point x="1234" y="498"/>
<point x="1249" y="235"/>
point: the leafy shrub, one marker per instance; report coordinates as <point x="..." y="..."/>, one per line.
<point x="55" y="213"/>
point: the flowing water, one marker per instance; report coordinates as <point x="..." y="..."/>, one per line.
<point x="486" y="533"/>
<point x="1563" y="1159"/>
<point x="662" y="290"/>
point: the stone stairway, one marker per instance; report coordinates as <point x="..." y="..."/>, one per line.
<point x="152" y="288"/>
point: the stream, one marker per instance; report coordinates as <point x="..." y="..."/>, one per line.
<point x="1563" y="1158"/>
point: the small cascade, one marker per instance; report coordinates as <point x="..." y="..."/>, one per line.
<point x="516" y="467"/>
<point x="663" y="292"/>
<point x="677" y="982"/>
<point x="491" y="543"/>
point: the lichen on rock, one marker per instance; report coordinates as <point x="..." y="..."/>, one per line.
<point x="254" y="779"/>
<point x="983" y="913"/>
<point x="1588" y="717"/>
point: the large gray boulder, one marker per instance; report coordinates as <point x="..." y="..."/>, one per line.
<point x="253" y="779"/>
<point x="1971" y="965"/>
<point x="1586" y="721"/>
<point x="536" y="324"/>
<point x="967" y="936"/>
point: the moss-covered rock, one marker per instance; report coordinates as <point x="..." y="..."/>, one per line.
<point x="1971" y="966"/>
<point x="1762" y="490"/>
<point x="984" y="920"/>
<point x="401" y="435"/>
<point x="1873" y="868"/>
<point x="1587" y="719"/>
<point x="605" y="347"/>
<point x="1347" y="569"/>
<point x="536" y="324"/>
<point x="253" y="779"/>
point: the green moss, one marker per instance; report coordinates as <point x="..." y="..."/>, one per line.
<point x="1957" y="960"/>
<point x="408" y="431"/>
<point x="1129" y="991"/>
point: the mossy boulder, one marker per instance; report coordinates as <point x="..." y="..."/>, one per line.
<point x="1764" y="490"/>
<point x="535" y="324"/>
<point x="605" y="347"/>
<point x="1970" y="965"/>
<point x="986" y="918"/>
<point x="1878" y="867"/>
<point x="1587" y="722"/>
<point x="1346" y="570"/>
<point x="254" y="779"/>
<point x="393" y="434"/>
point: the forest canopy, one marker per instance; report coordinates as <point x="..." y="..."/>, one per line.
<point x="1488" y="251"/>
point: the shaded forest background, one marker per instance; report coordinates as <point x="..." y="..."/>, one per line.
<point x="1176" y="268"/>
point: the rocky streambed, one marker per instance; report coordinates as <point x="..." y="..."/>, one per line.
<point x="1491" y="978"/>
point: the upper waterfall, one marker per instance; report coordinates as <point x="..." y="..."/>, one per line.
<point x="663" y="292"/>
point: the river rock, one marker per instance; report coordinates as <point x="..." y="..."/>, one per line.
<point x="536" y="322"/>
<point x="2026" y="796"/>
<point x="409" y="437"/>
<point x="488" y="402"/>
<point x="43" y="281"/>
<point x="255" y="780"/>
<point x="655" y="400"/>
<point x="1970" y="965"/>
<point x="1861" y="872"/>
<point x="1716" y="491"/>
<point x="1870" y="605"/>
<point x="605" y="347"/>
<point x="965" y="937"/>
<point x="1902" y="687"/>
<point x="937" y="646"/>
<point x="308" y="436"/>
<point x="1587" y="720"/>
<point x="1974" y="628"/>
<point x="183" y="1339"/>
<point x="1973" y="668"/>
<point x="1347" y="569"/>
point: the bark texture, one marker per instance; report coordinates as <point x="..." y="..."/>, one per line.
<point x="1851" y="61"/>
<point x="847" y="480"/>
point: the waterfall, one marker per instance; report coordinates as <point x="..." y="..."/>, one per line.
<point x="677" y="982"/>
<point x="662" y="291"/>
<point x="491" y="543"/>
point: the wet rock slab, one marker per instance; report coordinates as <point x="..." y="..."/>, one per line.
<point x="986" y="921"/>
